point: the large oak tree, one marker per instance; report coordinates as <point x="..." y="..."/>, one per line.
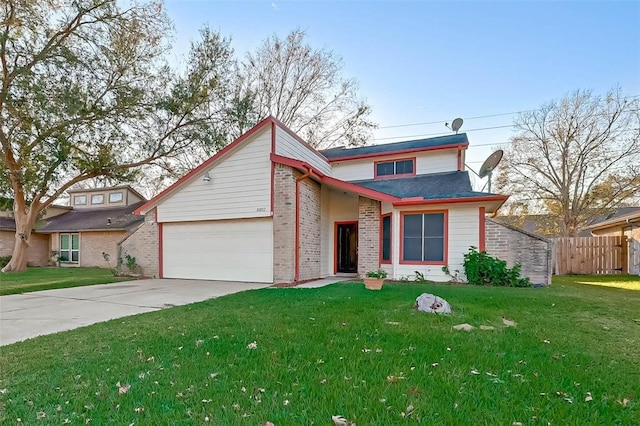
<point x="576" y="158"/>
<point x="86" y="92"/>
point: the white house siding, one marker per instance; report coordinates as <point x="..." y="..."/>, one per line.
<point x="437" y="161"/>
<point x="240" y="187"/>
<point x="463" y="232"/>
<point x="288" y="146"/>
<point x="225" y="250"/>
<point x="426" y="162"/>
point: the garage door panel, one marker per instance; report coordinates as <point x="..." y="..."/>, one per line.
<point x="230" y="250"/>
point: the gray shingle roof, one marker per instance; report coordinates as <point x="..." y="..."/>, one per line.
<point x="122" y="218"/>
<point x="342" y="152"/>
<point x="432" y="186"/>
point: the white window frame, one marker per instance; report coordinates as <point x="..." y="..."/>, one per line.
<point x="71" y="249"/>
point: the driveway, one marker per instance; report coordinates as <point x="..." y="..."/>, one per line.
<point x="23" y="316"/>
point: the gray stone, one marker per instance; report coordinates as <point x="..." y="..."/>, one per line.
<point x="430" y="303"/>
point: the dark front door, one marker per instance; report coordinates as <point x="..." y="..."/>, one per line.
<point x="347" y="247"/>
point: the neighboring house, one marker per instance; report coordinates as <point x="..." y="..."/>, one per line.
<point x="80" y="235"/>
<point x="624" y="221"/>
<point x="270" y="208"/>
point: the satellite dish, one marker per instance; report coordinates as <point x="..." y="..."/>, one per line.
<point x="489" y="166"/>
<point x="456" y="124"/>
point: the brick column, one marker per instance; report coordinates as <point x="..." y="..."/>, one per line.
<point x="368" y="235"/>
<point x="143" y="245"/>
<point x="284" y="226"/>
<point x="309" y="229"/>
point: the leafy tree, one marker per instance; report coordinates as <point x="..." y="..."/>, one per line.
<point x="302" y="87"/>
<point x="576" y="158"/>
<point x="86" y="92"/>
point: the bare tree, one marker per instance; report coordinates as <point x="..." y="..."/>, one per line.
<point x="86" y="92"/>
<point x="575" y="158"/>
<point x="304" y="89"/>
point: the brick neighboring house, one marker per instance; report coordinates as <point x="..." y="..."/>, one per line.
<point x="79" y="235"/>
<point x="270" y="208"/>
<point x="624" y="221"/>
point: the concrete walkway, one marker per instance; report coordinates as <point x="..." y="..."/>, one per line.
<point x="23" y="316"/>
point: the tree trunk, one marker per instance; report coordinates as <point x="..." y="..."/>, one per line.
<point x="24" y="226"/>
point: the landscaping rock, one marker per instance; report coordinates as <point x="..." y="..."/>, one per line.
<point x="433" y="304"/>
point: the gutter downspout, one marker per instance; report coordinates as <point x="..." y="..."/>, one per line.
<point x="297" y="243"/>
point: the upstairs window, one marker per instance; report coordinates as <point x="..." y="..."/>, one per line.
<point x="97" y="199"/>
<point x="115" y="197"/>
<point x="392" y="168"/>
<point x="80" y="200"/>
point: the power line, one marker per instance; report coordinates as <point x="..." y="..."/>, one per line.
<point x="471" y="118"/>
<point x="443" y="133"/>
<point x="444" y="121"/>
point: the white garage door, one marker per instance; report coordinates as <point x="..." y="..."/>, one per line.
<point x="226" y="250"/>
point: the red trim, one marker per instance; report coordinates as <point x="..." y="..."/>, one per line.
<point x="481" y="228"/>
<point x="302" y="166"/>
<point x="382" y="261"/>
<point x="375" y="168"/>
<point x="400" y="151"/>
<point x="160" y="254"/>
<point x="297" y="248"/>
<point x="335" y="240"/>
<point x="445" y="248"/>
<point x="459" y="159"/>
<point x="273" y="166"/>
<point x="416" y="202"/>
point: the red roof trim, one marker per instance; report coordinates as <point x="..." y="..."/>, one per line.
<point x="400" y="151"/>
<point x="416" y="202"/>
<point x="302" y="166"/>
<point x="220" y="154"/>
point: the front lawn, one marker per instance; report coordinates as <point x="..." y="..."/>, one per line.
<point x="36" y="279"/>
<point x="300" y="356"/>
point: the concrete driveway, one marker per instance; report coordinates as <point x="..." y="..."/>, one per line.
<point x="23" y="316"/>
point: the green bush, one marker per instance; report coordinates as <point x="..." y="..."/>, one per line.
<point x="4" y="260"/>
<point x="482" y="269"/>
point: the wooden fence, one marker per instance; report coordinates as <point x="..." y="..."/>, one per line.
<point x="592" y="255"/>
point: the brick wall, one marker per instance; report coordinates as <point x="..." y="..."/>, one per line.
<point x="94" y="243"/>
<point x="368" y="235"/>
<point x="38" y="254"/>
<point x="517" y="246"/>
<point x="284" y="217"/>
<point x="309" y="229"/>
<point x="143" y="245"/>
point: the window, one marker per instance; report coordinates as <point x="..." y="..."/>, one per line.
<point x="69" y="248"/>
<point x="115" y="197"/>
<point x="97" y="199"/>
<point x="80" y="200"/>
<point x="395" y="168"/>
<point x="424" y="238"/>
<point x="385" y="237"/>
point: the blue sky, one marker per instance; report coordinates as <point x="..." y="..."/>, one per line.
<point x="423" y="61"/>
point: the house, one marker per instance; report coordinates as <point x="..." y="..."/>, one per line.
<point x="623" y="221"/>
<point x="85" y="233"/>
<point x="270" y="208"/>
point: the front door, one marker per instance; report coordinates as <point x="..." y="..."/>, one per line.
<point x="347" y="247"/>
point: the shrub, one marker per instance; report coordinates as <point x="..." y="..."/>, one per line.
<point x="482" y="269"/>
<point x="4" y="260"/>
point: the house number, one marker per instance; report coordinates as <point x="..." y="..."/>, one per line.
<point x="261" y="209"/>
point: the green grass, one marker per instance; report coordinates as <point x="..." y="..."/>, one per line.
<point x="343" y="350"/>
<point x="36" y="279"/>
